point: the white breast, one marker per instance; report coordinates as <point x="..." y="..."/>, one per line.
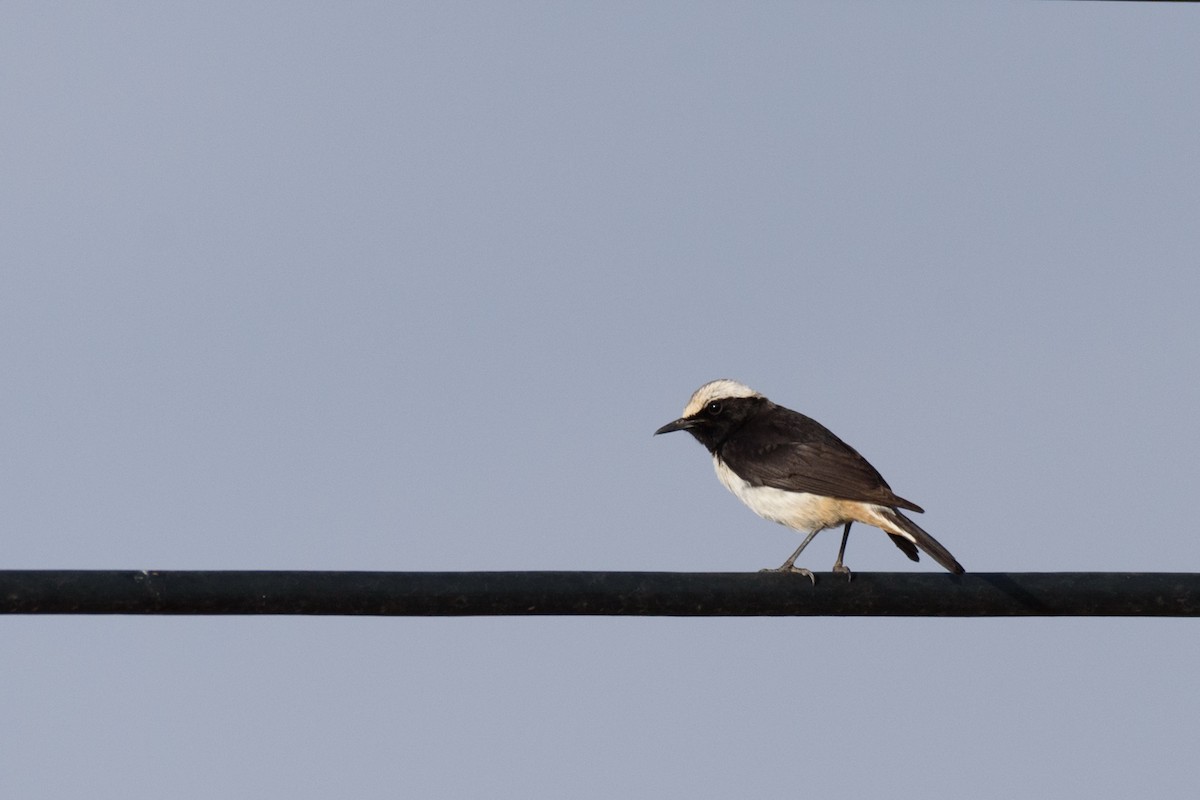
<point x="800" y="511"/>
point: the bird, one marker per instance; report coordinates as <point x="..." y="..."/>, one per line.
<point x="791" y="469"/>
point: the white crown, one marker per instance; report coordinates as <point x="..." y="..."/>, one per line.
<point x="716" y="390"/>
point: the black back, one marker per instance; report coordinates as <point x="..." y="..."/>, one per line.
<point x="768" y="445"/>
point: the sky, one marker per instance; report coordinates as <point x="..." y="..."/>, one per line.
<point x="408" y="286"/>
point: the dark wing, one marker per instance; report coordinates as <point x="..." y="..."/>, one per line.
<point x="786" y="450"/>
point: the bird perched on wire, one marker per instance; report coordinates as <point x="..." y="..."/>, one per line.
<point x="791" y="469"/>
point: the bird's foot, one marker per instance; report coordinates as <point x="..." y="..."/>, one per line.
<point x="793" y="570"/>
<point x="841" y="569"/>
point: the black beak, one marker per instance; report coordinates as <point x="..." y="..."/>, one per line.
<point x="681" y="424"/>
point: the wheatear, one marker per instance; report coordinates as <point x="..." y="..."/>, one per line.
<point x="791" y="469"/>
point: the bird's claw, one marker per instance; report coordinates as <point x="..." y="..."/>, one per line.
<point x="841" y="569"/>
<point x="793" y="570"/>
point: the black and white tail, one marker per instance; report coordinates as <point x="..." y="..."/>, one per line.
<point x="930" y="545"/>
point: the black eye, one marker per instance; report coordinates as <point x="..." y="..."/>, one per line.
<point x="713" y="408"/>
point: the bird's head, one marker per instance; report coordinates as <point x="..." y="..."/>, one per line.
<point x="714" y="411"/>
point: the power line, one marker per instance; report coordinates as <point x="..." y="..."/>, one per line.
<point x="904" y="594"/>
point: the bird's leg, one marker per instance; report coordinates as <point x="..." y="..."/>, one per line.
<point x="790" y="564"/>
<point x="838" y="567"/>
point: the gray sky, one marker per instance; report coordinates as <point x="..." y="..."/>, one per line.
<point x="383" y="286"/>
